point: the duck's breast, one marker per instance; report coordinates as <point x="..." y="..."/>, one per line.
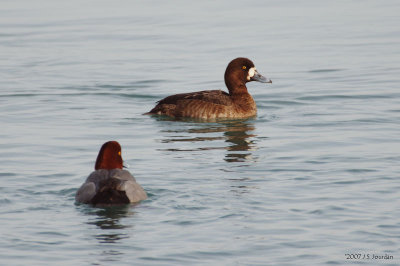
<point x="244" y="105"/>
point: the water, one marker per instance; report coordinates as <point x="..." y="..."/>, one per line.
<point x="314" y="177"/>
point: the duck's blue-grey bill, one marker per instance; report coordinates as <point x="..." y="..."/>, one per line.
<point x="260" y="78"/>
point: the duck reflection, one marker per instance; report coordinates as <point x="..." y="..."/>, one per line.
<point x="242" y="142"/>
<point x="237" y="138"/>
<point x="108" y="219"/>
<point x="110" y="230"/>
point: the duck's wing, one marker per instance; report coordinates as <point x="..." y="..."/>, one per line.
<point x="210" y="96"/>
<point x="115" y="186"/>
<point x="86" y="192"/>
<point x="88" y="189"/>
<point x="122" y="175"/>
<point x="105" y="187"/>
<point x="128" y="184"/>
<point x="134" y="191"/>
<point x="189" y="104"/>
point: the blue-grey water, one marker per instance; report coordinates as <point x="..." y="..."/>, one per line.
<point x="314" y="179"/>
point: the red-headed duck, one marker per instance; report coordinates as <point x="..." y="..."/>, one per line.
<point x="213" y="104"/>
<point x="109" y="183"/>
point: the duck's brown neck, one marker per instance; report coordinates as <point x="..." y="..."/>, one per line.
<point x="238" y="90"/>
<point x="242" y="97"/>
<point x="235" y="84"/>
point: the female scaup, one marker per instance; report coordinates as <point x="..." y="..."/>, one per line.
<point x="212" y="104"/>
<point x="109" y="183"/>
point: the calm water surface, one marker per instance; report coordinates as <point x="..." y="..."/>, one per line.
<point x="313" y="177"/>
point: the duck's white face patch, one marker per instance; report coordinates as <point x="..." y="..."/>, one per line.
<point x="251" y="73"/>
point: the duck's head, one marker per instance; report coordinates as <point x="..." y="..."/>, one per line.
<point x="109" y="156"/>
<point x="240" y="71"/>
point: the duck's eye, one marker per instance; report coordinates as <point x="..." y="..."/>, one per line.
<point x="119" y="153"/>
<point x="244" y="67"/>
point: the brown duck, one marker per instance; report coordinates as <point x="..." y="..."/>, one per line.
<point x="214" y="104"/>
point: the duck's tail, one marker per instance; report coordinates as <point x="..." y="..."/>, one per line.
<point x="110" y="193"/>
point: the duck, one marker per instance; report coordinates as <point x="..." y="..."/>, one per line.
<point x="215" y="104"/>
<point x="110" y="184"/>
